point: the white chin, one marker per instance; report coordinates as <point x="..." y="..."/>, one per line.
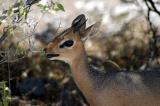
<point x="51" y="58"/>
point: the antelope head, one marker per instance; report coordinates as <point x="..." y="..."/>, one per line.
<point x="67" y="45"/>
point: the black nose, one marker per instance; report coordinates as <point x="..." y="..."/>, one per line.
<point x="44" y="49"/>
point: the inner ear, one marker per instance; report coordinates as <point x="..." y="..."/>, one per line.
<point x="91" y="31"/>
<point x="79" y="24"/>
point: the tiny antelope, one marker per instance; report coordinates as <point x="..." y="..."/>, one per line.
<point x="110" y="88"/>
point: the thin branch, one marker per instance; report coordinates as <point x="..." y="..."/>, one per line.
<point x="154" y="7"/>
<point x="153" y="47"/>
<point x="4" y="36"/>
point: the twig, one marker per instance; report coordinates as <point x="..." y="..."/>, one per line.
<point x="114" y="63"/>
<point x="154" y="7"/>
<point x="59" y="26"/>
<point x="153" y="47"/>
<point x="4" y="36"/>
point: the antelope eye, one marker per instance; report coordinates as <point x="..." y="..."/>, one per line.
<point x="67" y="43"/>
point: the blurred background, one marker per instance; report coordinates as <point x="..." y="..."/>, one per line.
<point x="129" y="37"/>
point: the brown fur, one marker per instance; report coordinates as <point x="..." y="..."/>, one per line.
<point x="113" y="88"/>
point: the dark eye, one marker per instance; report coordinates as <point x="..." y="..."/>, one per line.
<point x="67" y="43"/>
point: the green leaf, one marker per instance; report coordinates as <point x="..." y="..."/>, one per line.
<point x="4" y="92"/>
<point x="40" y="6"/>
<point x="3" y="17"/>
<point x="60" y="6"/>
<point x="43" y="7"/>
<point x="9" y="12"/>
<point x="5" y="12"/>
<point x="21" y="11"/>
<point x="16" y="5"/>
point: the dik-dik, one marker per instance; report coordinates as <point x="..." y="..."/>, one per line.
<point x="109" y="88"/>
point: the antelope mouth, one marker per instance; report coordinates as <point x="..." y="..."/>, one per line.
<point x="51" y="55"/>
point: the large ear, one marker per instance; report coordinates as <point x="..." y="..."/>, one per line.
<point x="79" y="24"/>
<point x="91" y="31"/>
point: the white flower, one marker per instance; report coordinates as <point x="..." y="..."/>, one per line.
<point x="6" y="89"/>
<point x="43" y="2"/>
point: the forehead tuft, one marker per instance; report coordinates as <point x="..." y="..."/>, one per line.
<point x="65" y="32"/>
<point x="61" y="35"/>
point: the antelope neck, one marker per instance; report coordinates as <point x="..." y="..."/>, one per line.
<point x="80" y="71"/>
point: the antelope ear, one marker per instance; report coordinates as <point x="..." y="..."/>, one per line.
<point x="91" y="31"/>
<point x="79" y="24"/>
